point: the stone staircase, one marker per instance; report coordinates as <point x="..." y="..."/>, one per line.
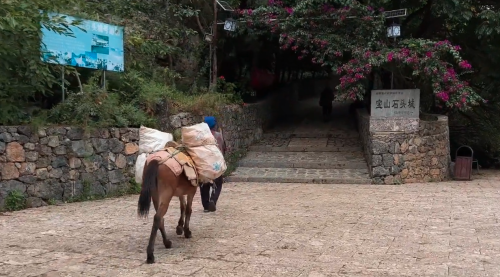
<point x="308" y="152"/>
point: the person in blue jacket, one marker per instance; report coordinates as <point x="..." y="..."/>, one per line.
<point x="209" y="200"/>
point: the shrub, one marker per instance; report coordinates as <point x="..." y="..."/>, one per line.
<point x="15" y="201"/>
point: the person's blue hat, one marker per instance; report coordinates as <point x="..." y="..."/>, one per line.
<point x="210" y="120"/>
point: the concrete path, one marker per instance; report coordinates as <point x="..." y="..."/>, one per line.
<point x="307" y="150"/>
<point x="434" y="229"/>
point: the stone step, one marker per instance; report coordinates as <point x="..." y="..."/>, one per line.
<point x="320" y="160"/>
<point x="313" y="135"/>
<point x="261" y="148"/>
<point x="309" y="165"/>
<point x="300" y="175"/>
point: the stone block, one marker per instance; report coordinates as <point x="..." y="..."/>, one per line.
<point x="100" y="145"/>
<point x="53" y="141"/>
<point x="20" y="138"/>
<point x="42" y="173"/>
<point x="75" y="162"/>
<point x="5" y="137"/>
<point x="9" y="171"/>
<point x="43" y="162"/>
<point x="56" y="131"/>
<point x="29" y="146"/>
<point x="15" y="152"/>
<point x="56" y="173"/>
<point x="28" y="179"/>
<point x="121" y="161"/>
<point x="75" y="133"/>
<point x="388" y="160"/>
<point x="116" y="176"/>
<point x="27" y="169"/>
<point x="379" y="147"/>
<point x="116" y="146"/>
<point x="35" y="202"/>
<point x="82" y="148"/>
<point x="131" y="148"/>
<point x="59" y="162"/>
<point x="380" y="171"/>
<point x="12" y="185"/>
<point x="42" y="133"/>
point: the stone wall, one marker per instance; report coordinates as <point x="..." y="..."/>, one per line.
<point x="59" y="163"/>
<point x="396" y="157"/>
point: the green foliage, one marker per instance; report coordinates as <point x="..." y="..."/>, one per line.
<point x="162" y="53"/>
<point x="134" y="187"/>
<point x="15" y="201"/>
<point x="232" y="161"/>
<point x="22" y="73"/>
<point x="96" y="107"/>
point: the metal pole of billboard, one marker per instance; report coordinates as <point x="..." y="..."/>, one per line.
<point x="104" y="79"/>
<point x="62" y="83"/>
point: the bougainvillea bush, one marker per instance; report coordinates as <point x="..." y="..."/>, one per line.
<point x="350" y="38"/>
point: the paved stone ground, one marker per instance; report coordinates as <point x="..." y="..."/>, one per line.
<point x="310" y="151"/>
<point x="434" y="229"/>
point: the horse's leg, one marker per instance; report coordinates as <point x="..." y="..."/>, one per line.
<point x="164" y="201"/>
<point x="166" y="241"/>
<point x="180" y="225"/>
<point x="190" y="197"/>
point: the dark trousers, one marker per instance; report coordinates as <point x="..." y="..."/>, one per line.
<point x="205" y="192"/>
<point x="327" y="111"/>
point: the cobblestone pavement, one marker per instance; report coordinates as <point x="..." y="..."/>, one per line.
<point x="434" y="229"/>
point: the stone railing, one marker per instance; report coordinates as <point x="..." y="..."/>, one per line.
<point x="420" y="155"/>
<point x="60" y="163"/>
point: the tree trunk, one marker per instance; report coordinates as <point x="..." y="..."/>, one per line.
<point x="214" y="49"/>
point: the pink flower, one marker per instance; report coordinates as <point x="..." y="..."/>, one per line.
<point x="443" y="96"/>
<point x="465" y="65"/>
<point x="390" y="56"/>
<point x="289" y="10"/>
<point x="429" y="54"/>
<point x="457" y="48"/>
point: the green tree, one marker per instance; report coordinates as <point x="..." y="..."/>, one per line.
<point x="22" y="73"/>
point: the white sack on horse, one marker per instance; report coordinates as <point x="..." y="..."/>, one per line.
<point x="150" y="140"/>
<point x="202" y="147"/>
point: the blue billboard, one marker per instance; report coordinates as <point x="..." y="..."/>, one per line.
<point x="100" y="46"/>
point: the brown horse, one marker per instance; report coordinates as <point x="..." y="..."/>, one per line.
<point x="160" y="184"/>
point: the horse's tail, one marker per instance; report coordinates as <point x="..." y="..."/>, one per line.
<point x="149" y="182"/>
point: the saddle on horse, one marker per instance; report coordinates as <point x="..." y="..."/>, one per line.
<point x="177" y="160"/>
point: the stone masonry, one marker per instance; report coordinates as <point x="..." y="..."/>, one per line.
<point x="407" y="157"/>
<point x="57" y="163"/>
<point x="241" y="125"/>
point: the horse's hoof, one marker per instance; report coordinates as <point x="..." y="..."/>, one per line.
<point x="178" y="230"/>
<point x="150" y="260"/>
<point x="187" y="234"/>
<point x="168" y="244"/>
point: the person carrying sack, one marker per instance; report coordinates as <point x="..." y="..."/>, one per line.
<point x="209" y="201"/>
